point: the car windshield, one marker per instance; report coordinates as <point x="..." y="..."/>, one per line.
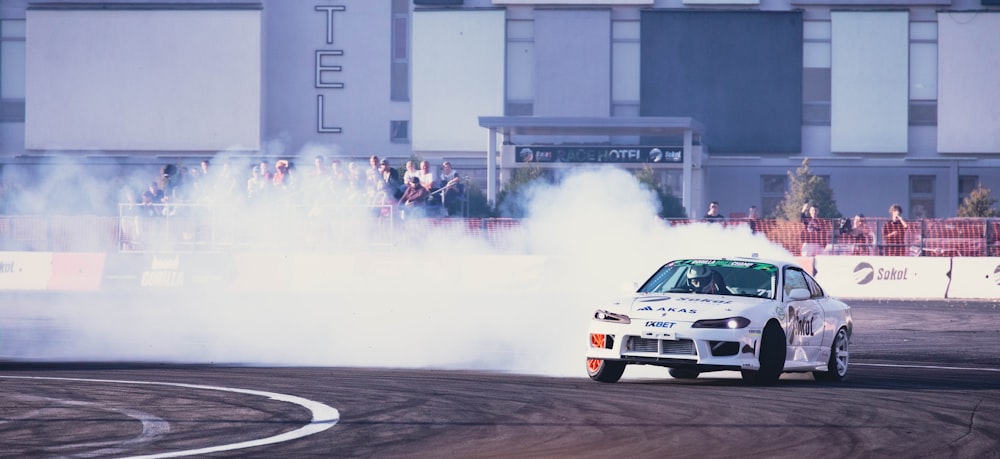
<point x="727" y="277"/>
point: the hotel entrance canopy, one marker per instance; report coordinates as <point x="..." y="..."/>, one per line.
<point x="643" y="126"/>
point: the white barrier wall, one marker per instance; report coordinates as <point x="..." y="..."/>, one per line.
<point x="25" y="270"/>
<point x="883" y="277"/>
<point x="975" y="278"/>
<point x="841" y="276"/>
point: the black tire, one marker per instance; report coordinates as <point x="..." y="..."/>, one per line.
<point x="606" y="371"/>
<point x="836" y="369"/>
<point x="771" y="357"/>
<point x="680" y="373"/>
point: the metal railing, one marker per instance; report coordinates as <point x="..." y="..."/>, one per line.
<point x="209" y="228"/>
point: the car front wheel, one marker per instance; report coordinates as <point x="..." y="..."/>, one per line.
<point x="836" y="368"/>
<point x="606" y="371"/>
<point x="771" y="357"/>
<point x="679" y="373"/>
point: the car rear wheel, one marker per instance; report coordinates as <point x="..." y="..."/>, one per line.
<point x="606" y="371"/>
<point x="771" y="357"/>
<point x="680" y="373"/>
<point x="836" y="368"/>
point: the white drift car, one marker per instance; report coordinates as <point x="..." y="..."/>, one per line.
<point x="762" y="318"/>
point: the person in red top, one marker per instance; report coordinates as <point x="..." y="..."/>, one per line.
<point x="282" y="178"/>
<point x="894" y="232"/>
<point x="265" y="172"/>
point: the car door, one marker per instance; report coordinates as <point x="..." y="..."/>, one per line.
<point x="804" y="318"/>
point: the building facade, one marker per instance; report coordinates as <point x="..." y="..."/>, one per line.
<point x="891" y="101"/>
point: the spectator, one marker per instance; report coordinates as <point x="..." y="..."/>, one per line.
<point x="129" y="211"/>
<point x="894" y="232"/>
<point x="380" y="198"/>
<point x="713" y="212"/>
<point x="336" y="172"/>
<point x="390" y="179"/>
<point x="148" y="203"/>
<point x="337" y="181"/>
<point x="372" y="174"/>
<point x="265" y="173"/>
<point x="183" y="183"/>
<point x="155" y="192"/>
<point x="414" y="198"/>
<point x="426" y="176"/>
<point x="411" y="171"/>
<point x="813" y="238"/>
<point x="451" y="189"/>
<point x="205" y="164"/>
<point x="318" y="166"/>
<point x="256" y="185"/>
<point x="861" y="235"/>
<point x="355" y="183"/>
<point x="804" y="213"/>
<point x="752" y="217"/>
<point x="282" y="178"/>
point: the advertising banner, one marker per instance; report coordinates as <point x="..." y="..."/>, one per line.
<point x="77" y="272"/>
<point x="975" y="278"/>
<point x="883" y="277"/>
<point x="168" y="271"/>
<point x="25" y="270"/>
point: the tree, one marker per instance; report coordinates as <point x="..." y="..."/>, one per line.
<point x="478" y="206"/>
<point x="805" y="187"/>
<point x="670" y="205"/>
<point x="511" y="200"/>
<point x="979" y="203"/>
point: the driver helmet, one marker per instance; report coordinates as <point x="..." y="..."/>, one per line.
<point x="701" y="274"/>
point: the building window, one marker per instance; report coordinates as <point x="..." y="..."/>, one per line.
<point x="625" y="60"/>
<point x="816" y="84"/>
<point x="12" y="70"/>
<point x="921" y="196"/>
<point x="399" y="131"/>
<point x="966" y="183"/>
<point x="772" y="192"/>
<point x="923" y="74"/>
<point x="520" y="68"/>
<point x="400" y="67"/>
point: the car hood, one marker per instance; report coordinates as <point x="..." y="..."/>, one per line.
<point x="688" y="307"/>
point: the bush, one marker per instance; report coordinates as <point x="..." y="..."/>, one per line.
<point x="979" y="203"/>
<point x="512" y="198"/>
<point x="670" y="205"/>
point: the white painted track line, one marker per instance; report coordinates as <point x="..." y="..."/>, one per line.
<point x="323" y="416"/>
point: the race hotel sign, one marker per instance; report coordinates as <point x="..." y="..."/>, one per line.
<point x="590" y="154"/>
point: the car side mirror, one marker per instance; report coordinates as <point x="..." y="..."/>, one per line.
<point x="799" y="294"/>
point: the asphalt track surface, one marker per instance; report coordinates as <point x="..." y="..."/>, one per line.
<point x="924" y="381"/>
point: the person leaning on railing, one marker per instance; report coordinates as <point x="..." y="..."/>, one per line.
<point x="813" y="234"/>
<point x="450" y="188"/>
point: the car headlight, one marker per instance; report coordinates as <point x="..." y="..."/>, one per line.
<point x="608" y="316"/>
<point x="730" y="323"/>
